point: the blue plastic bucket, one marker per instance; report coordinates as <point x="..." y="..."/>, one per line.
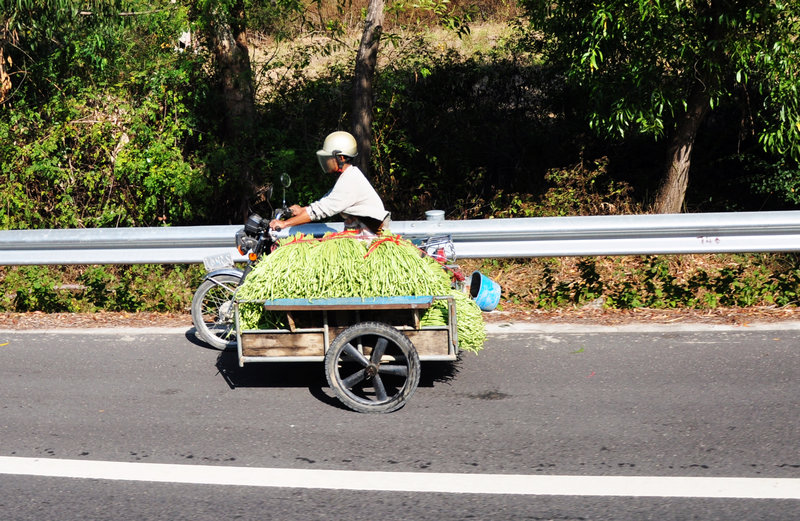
<point x="484" y="291"/>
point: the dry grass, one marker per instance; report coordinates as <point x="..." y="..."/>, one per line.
<point x="525" y="288"/>
<point x="275" y="61"/>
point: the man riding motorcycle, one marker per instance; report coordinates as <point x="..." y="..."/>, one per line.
<point x="352" y="195"/>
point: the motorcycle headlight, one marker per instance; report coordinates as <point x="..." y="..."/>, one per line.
<point x="254" y="224"/>
<point x="244" y="243"/>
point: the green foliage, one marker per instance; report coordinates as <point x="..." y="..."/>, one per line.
<point x="591" y="284"/>
<point x="107" y="125"/>
<point x="680" y="47"/>
<point x="37" y="291"/>
<point x="554" y="292"/>
<point x="779" y="179"/>
<point x="661" y="282"/>
<point x="98" y="281"/>
<point x="585" y="189"/>
<point x="787" y="286"/>
<point x="557" y="291"/>
<point x="103" y="130"/>
<point x="625" y="295"/>
<point x="433" y="143"/>
<point x="662" y="288"/>
<point x="655" y="282"/>
<point x="623" y="283"/>
<point x="46" y="38"/>
<point x="92" y="288"/>
<point x="447" y="15"/>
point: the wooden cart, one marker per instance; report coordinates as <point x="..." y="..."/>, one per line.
<point x="371" y="347"/>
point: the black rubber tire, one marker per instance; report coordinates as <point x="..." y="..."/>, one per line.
<point x="212" y="311"/>
<point x="378" y="378"/>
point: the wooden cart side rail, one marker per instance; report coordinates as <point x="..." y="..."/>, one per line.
<point x="321" y="329"/>
<point x="349" y="303"/>
<point x="311" y="343"/>
<point x="280" y="345"/>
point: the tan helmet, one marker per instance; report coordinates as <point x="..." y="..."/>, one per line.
<point x="339" y="143"/>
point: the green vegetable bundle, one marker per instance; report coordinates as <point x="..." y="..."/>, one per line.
<point x="471" y="332"/>
<point x="339" y="265"/>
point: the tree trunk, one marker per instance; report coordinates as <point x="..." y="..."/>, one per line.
<point x="235" y="83"/>
<point x="235" y="75"/>
<point x="672" y="191"/>
<point x="363" y="96"/>
<point x="5" y="79"/>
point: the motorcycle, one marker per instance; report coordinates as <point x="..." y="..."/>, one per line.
<point x="212" y="303"/>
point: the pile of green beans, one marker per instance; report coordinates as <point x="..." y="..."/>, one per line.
<point x="470" y="325"/>
<point x="343" y="266"/>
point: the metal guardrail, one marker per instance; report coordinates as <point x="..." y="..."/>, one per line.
<point x="487" y="238"/>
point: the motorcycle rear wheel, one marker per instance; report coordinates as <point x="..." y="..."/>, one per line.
<point x="212" y="311"/>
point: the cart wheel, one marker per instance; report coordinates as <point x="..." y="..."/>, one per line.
<point x="372" y="367"/>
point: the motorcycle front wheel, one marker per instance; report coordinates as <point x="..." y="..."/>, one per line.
<point x="212" y="311"/>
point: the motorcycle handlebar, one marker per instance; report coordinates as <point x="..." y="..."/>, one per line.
<point x="283" y="213"/>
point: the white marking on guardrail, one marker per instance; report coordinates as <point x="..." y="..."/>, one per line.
<point x="448" y="483"/>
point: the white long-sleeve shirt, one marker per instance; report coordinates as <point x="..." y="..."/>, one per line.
<point x="352" y="195"/>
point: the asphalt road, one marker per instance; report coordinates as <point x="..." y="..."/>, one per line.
<point x="641" y="404"/>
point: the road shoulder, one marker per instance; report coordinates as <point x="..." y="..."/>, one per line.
<point x="497" y="322"/>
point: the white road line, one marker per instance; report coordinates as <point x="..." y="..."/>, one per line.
<point x="451" y="483"/>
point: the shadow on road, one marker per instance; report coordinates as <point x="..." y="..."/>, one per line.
<point x="269" y="374"/>
<point x="309" y="374"/>
<point x="191" y="336"/>
<point x="305" y="374"/>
